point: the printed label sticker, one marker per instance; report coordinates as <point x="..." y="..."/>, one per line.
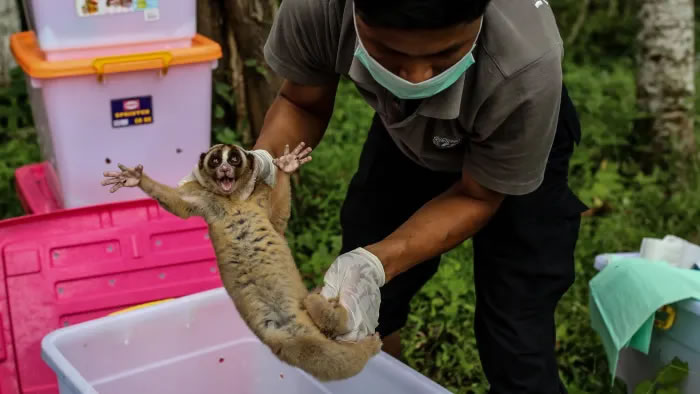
<point x="108" y="7"/>
<point x="133" y="111"/>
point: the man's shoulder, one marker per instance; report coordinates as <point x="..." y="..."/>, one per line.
<point x="518" y="34"/>
<point x="314" y="11"/>
<point x="303" y="42"/>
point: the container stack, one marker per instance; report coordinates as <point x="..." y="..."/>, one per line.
<point x="116" y="81"/>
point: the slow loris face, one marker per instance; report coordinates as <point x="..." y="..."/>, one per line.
<point x="223" y="166"/>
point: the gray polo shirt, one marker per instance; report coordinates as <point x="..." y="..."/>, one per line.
<point x="497" y="122"/>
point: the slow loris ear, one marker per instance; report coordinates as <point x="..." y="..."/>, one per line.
<point x="254" y="171"/>
<point x="201" y="160"/>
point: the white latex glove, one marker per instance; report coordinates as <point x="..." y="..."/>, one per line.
<point x="355" y="278"/>
<point x="268" y="170"/>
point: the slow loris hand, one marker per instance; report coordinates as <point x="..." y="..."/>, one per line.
<point x="128" y="177"/>
<point x="290" y="162"/>
<point x="173" y="200"/>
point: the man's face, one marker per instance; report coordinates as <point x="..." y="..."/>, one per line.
<point x="418" y="55"/>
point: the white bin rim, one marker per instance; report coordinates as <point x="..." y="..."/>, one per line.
<point x="69" y="375"/>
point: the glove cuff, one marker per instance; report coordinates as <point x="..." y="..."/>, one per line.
<point x="268" y="169"/>
<point x="374" y="262"/>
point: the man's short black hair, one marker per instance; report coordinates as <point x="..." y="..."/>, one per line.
<point x="419" y="14"/>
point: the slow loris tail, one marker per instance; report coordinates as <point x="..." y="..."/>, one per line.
<point x="326" y="359"/>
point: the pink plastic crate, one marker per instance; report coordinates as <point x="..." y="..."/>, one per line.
<point x="34" y="191"/>
<point x="69" y="266"/>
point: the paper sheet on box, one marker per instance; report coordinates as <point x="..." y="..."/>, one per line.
<point x="625" y="296"/>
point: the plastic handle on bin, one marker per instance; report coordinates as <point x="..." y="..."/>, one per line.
<point x="667" y="323"/>
<point x="122" y="63"/>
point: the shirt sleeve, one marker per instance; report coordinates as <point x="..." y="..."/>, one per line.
<point x="302" y="44"/>
<point x="514" y="133"/>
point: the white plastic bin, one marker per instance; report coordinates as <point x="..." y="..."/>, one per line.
<point x="682" y="340"/>
<point x="67" y="28"/>
<point x="197" y="344"/>
<point x="91" y="114"/>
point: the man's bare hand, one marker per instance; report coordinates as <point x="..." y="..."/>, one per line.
<point x="128" y="177"/>
<point x="290" y="162"/>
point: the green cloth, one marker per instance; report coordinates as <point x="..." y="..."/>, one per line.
<point x="625" y="296"/>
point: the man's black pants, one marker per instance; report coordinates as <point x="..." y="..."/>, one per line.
<point x="523" y="257"/>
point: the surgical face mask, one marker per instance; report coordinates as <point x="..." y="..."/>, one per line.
<point x="404" y="89"/>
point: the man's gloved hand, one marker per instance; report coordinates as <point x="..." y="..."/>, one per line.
<point x="268" y="170"/>
<point x="355" y="278"/>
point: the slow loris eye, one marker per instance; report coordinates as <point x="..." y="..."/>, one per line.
<point x="234" y="159"/>
<point x="214" y="162"/>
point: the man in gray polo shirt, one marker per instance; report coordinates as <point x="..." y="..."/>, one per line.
<point x="471" y="139"/>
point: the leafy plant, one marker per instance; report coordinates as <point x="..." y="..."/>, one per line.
<point x="15" y="112"/>
<point x="667" y="381"/>
<point x="18" y="140"/>
<point x="252" y="63"/>
<point x="223" y="113"/>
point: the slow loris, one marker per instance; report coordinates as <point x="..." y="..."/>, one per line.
<point x="247" y="221"/>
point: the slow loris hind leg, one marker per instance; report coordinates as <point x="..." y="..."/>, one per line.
<point x="330" y="317"/>
<point x="281" y="196"/>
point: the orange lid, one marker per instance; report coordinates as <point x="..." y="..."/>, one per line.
<point x="29" y="56"/>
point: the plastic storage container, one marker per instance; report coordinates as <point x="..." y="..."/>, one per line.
<point x="91" y="114"/>
<point x="681" y="340"/>
<point x="70" y="266"/>
<point x="69" y="29"/>
<point x="197" y="344"/>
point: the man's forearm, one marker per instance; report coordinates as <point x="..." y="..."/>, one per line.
<point x="437" y="227"/>
<point x="289" y="123"/>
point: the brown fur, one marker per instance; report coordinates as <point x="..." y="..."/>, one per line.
<point x="260" y="275"/>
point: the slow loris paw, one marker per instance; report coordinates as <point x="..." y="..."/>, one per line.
<point x="128" y="177"/>
<point x="372" y="344"/>
<point x="315" y="290"/>
<point x="330" y="317"/>
<point x="290" y="162"/>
